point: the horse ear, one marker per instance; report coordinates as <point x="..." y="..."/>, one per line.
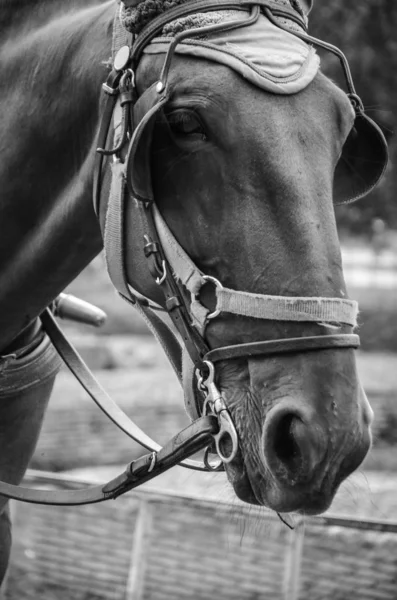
<point x="307" y="5"/>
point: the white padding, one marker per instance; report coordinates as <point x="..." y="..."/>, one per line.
<point x="285" y="308"/>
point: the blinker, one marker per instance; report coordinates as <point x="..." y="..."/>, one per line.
<point x="139" y="178"/>
<point x="363" y="161"/>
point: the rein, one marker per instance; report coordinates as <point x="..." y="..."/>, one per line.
<point x="174" y="272"/>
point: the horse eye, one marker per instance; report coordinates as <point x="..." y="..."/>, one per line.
<point x="183" y="122"/>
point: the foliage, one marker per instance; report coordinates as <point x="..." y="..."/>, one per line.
<point x="378" y="331"/>
<point x="366" y="32"/>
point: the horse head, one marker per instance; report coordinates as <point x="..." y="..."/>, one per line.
<point x="243" y="152"/>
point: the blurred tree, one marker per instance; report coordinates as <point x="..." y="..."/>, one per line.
<point x="366" y="32"/>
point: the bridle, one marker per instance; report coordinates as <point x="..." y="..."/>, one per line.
<point x="171" y="268"/>
<point x="173" y="271"/>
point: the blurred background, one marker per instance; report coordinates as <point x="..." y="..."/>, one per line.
<point x="77" y="439"/>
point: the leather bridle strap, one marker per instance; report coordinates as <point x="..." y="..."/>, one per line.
<point x="92" y="386"/>
<point x="190" y="440"/>
<point x="114" y="243"/>
<point x="284" y="346"/>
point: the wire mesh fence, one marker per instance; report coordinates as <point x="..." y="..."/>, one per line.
<point x="157" y="546"/>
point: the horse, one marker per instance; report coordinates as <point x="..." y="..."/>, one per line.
<point x="240" y="164"/>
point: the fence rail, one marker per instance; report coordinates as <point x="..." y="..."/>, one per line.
<point x="159" y="546"/>
<point x="59" y="480"/>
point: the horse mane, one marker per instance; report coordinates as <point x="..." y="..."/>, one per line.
<point x="17" y="14"/>
<point x="13" y="12"/>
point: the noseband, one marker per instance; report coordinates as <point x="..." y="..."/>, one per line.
<point x="174" y="272"/>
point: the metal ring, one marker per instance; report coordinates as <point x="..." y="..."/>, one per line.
<point x="128" y="73"/>
<point x="226" y="429"/>
<point x="208" y="465"/>
<point x="218" y="285"/>
<point x="232" y="455"/>
<point x="356" y="102"/>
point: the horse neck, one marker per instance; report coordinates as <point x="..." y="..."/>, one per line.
<point x="49" y="109"/>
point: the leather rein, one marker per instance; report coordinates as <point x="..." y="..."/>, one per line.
<point x="174" y="272"/>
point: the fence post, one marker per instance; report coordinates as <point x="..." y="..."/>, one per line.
<point x="139" y="552"/>
<point x="293" y="560"/>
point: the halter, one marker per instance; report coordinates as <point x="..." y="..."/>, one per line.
<point x="175" y="273"/>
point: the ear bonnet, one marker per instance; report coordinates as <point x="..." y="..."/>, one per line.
<point x="273" y="53"/>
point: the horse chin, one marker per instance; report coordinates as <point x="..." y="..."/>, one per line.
<point x="312" y="498"/>
<point x="294" y="450"/>
<point x="285" y="499"/>
<point x="238" y="477"/>
<point x="281" y="499"/>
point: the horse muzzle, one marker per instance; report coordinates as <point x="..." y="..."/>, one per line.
<point x="297" y="461"/>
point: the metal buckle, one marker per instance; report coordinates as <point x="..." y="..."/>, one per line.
<point x="109" y="90"/>
<point x="153" y="460"/>
<point x="6" y="360"/>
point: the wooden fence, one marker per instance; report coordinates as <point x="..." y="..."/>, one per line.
<point x="156" y="546"/>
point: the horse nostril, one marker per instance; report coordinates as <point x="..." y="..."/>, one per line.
<point x="293" y="446"/>
<point x="285" y="444"/>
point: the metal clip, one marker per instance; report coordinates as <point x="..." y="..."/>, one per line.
<point x="162" y="278"/>
<point x="209" y="465"/>
<point x="216" y="404"/>
<point x="127" y="80"/>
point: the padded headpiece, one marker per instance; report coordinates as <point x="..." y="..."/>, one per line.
<point x="270" y="55"/>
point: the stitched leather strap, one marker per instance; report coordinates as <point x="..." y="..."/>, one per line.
<point x="195" y="437"/>
<point x="303" y="344"/>
<point x="114" y="242"/>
